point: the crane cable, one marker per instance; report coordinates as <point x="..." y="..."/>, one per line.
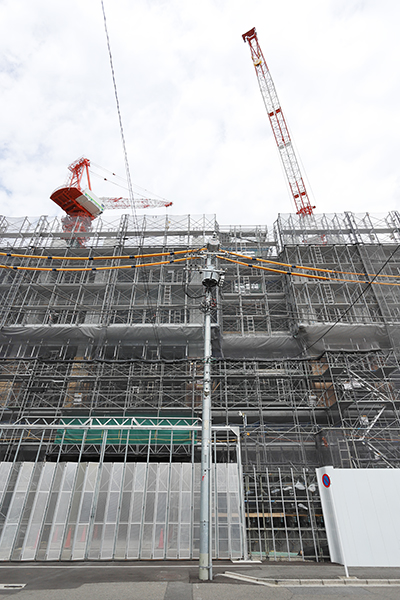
<point x="121" y="128"/>
<point x="145" y="192"/>
<point x="127" y="170"/>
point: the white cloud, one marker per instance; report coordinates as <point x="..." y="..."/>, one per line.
<point x="196" y="129"/>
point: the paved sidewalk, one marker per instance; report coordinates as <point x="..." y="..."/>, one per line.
<point x="312" y="570"/>
<point x="179" y="581"/>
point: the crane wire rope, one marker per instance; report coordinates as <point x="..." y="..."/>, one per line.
<point x="140" y="235"/>
<point x="121" y="128"/>
<point x="124" y="187"/>
<point x="144" y="191"/>
<point x="140" y="196"/>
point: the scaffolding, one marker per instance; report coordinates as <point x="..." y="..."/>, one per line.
<point x="305" y="372"/>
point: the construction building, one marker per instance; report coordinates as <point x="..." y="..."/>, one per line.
<point x="101" y="382"/>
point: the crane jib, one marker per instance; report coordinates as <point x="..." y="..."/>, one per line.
<point x="279" y="127"/>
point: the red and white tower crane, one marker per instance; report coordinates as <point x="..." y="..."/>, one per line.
<point x="83" y="206"/>
<point x="76" y="201"/>
<point x="279" y="127"/>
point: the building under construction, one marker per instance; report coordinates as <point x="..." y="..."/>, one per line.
<point x="102" y="378"/>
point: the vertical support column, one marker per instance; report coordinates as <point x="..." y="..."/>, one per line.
<point x="242" y="510"/>
<point x="205" y="558"/>
<point x="210" y="280"/>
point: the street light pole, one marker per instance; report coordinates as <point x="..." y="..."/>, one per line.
<point x="210" y="281"/>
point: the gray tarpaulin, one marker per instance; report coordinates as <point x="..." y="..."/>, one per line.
<point x="259" y="346"/>
<point x="344" y="336"/>
<point x="174" y="334"/>
<point x="314" y="339"/>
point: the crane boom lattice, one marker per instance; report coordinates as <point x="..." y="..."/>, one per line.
<point x="279" y="127"/>
<point x="138" y="203"/>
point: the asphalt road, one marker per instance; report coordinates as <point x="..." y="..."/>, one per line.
<point x="179" y="581"/>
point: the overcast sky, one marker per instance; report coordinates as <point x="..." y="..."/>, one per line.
<point x="196" y="129"/>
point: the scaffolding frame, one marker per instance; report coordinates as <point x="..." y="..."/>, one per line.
<point x="307" y="370"/>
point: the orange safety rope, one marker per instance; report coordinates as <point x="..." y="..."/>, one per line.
<point x="252" y="266"/>
<point x="57" y="269"/>
<point x="273" y="262"/>
<point x="125" y="257"/>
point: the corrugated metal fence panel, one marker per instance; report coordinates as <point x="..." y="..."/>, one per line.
<point x="122" y="534"/>
<point x="71" y="511"/>
<point x="61" y="512"/>
<point x="196" y="510"/>
<point x="137" y="504"/>
<point x="15" y="510"/>
<point x="38" y="510"/>
<point x="85" y="512"/>
<point x="161" y="511"/>
<point x="9" y="473"/>
<point x="235" y="531"/>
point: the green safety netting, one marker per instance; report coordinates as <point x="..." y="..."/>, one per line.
<point x="120" y="436"/>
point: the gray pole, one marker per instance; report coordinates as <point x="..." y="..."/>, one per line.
<point x="210" y="280"/>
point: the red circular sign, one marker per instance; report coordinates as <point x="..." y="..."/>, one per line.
<point x="326" y="480"/>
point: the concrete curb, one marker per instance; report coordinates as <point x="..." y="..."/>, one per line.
<point x="351" y="581"/>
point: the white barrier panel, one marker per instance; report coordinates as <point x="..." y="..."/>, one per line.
<point x="105" y="511"/>
<point x="361" y="513"/>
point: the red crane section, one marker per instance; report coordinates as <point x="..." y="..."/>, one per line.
<point x="279" y="127"/>
<point x="72" y="199"/>
<point x="84" y="203"/>
<point x="77" y="169"/>
<point x="83" y="206"/>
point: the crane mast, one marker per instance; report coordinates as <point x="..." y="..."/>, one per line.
<point x="279" y="127"/>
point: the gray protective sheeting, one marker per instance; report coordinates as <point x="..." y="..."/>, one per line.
<point x="97" y="333"/>
<point x="312" y="339"/>
<point x="343" y="336"/>
<point x="259" y="346"/>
